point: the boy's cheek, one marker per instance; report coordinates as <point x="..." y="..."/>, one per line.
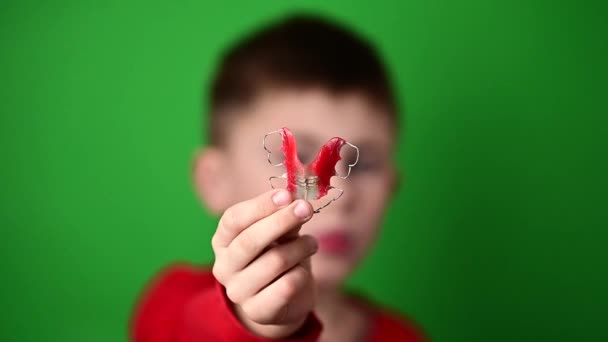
<point x="247" y="176"/>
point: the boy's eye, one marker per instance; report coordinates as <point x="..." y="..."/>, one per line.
<point x="367" y="165"/>
<point x="363" y="166"/>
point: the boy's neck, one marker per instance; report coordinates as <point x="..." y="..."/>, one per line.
<point x="341" y="319"/>
<point x="330" y="304"/>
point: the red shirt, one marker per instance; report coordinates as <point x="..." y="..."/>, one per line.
<point x="187" y="304"/>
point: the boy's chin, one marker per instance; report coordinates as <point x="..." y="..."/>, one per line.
<point x="330" y="274"/>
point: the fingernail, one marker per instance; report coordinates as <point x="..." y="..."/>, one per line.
<point x="281" y="198"/>
<point x="302" y="210"/>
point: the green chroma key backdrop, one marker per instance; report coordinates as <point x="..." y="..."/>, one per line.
<point x="499" y="230"/>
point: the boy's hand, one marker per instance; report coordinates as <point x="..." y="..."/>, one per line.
<point x="269" y="282"/>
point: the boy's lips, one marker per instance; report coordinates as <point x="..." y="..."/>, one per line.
<point x="337" y="242"/>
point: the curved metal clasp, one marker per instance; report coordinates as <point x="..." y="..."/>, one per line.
<point x="350" y="166"/>
<point x="316" y="211"/>
<point x="268" y="151"/>
<point x="284" y="176"/>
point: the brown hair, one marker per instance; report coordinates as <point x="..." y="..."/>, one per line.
<point x="301" y="51"/>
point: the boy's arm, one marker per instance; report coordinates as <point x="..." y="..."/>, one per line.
<point x="187" y="305"/>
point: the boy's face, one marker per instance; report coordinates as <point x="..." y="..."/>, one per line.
<point x="346" y="228"/>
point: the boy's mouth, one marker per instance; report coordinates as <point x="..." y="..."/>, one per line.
<point x="336" y="243"/>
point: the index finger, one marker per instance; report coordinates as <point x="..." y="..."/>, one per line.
<point x="243" y="214"/>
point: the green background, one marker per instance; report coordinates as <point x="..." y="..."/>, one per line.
<point x="498" y="234"/>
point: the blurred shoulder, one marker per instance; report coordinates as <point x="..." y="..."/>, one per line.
<point x="387" y="324"/>
<point x="183" y="273"/>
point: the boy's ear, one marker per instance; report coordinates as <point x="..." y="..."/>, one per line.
<point x="209" y="178"/>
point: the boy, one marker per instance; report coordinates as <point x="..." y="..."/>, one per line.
<point x="278" y="267"/>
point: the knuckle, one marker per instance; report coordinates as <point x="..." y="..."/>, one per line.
<point x="253" y="312"/>
<point x="301" y="275"/>
<point x="283" y="221"/>
<point x="289" y="287"/>
<point x="232" y="292"/>
<point x="214" y="242"/>
<point x="277" y="260"/>
<point x="282" y="313"/>
<point x="261" y="208"/>
<point x="246" y="307"/>
<point x="246" y="243"/>
<point x="260" y="314"/>
<point x="230" y="219"/>
<point x="218" y="272"/>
